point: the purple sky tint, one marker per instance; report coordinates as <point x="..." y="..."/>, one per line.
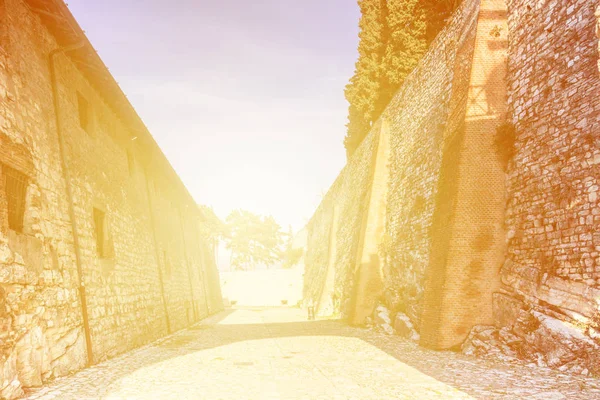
<point x="244" y="97"/>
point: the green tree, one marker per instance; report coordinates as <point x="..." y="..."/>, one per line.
<point x="253" y="240"/>
<point x="404" y="46"/>
<point x="291" y="255"/>
<point x="393" y="37"/>
<point x="437" y="13"/>
<point x="363" y="90"/>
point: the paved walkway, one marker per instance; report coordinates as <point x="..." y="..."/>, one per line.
<point x="277" y="354"/>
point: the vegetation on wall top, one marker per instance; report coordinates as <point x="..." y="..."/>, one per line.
<point x="394" y="35"/>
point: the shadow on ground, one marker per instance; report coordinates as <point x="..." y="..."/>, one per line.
<point x="477" y="378"/>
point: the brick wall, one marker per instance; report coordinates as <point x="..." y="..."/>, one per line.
<point x="151" y="223"/>
<point x="436" y="256"/>
<point x="468" y="239"/>
<point x="426" y="116"/>
<point x="417" y="120"/>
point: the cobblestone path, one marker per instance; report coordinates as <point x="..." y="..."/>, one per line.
<point x="277" y="354"/>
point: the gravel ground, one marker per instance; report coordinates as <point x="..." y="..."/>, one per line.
<point x="277" y="354"/>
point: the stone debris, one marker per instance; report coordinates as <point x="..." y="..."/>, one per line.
<point x="405" y="328"/>
<point x="401" y="325"/>
<point x="381" y="317"/>
<point x="537" y="339"/>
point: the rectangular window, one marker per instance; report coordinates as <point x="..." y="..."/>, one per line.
<point x="84" y="112"/>
<point x="100" y="230"/>
<point x="16" y="192"/>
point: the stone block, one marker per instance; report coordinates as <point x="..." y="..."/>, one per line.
<point x="506" y="309"/>
<point x="404" y="327"/>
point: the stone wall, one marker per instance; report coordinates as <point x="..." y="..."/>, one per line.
<point x="345" y="201"/>
<point x="552" y="267"/>
<point x="426" y="115"/>
<point x="492" y="205"/>
<point x="553" y="213"/>
<point x="468" y="239"/>
<point x="426" y="110"/>
<point x="152" y="276"/>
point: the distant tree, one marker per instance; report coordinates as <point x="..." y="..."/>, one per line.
<point x="394" y="35"/>
<point x="291" y="255"/>
<point x="253" y="240"/>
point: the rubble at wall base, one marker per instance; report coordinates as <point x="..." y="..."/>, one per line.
<point x="538" y="336"/>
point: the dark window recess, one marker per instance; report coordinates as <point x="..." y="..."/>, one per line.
<point x="100" y="231"/>
<point x="84" y="112"/>
<point x="16" y="191"/>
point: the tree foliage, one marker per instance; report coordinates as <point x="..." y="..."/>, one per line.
<point x="253" y="240"/>
<point x="292" y="255"/>
<point x="437" y="13"/>
<point x="404" y="46"/>
<point x="393" y="37"/>
<point x="362" y="91"/>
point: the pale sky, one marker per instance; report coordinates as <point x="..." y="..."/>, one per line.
<point x="246" y="98"/>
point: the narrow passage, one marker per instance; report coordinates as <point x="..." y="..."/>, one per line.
<point x="275" y="353"/>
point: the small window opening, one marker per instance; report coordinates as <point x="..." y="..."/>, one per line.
<point x="100" y="231"/>
<point x="84" y="112"/>
<point x="16" y="192"/>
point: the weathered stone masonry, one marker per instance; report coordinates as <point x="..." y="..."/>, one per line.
<point x="552" y="264"/>
<point x="334" y="234"/>
<point x="105" y="217"/>
<point x="553" y="214"/>
<point x="425" y="123"/>
<point x="468" y="239"/>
